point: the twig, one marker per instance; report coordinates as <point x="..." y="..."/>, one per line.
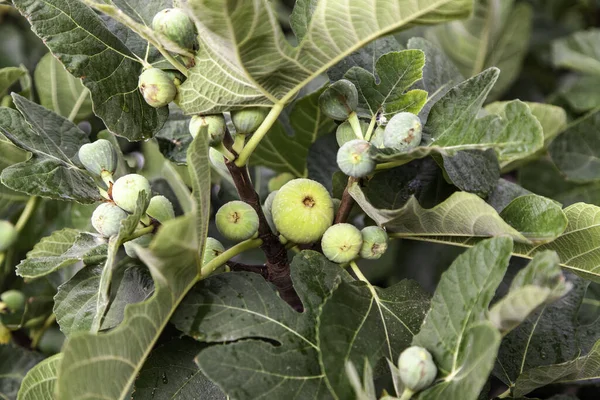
<point x="257" y="269"/>
<point x="346" y="204"/>
<point x="278" y="268"/>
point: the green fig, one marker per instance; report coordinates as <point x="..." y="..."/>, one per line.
<point x="417" y="369"/>
<point x="106" y="219"/>
<point x="302" y="210"/>
<point x="237" y="220"/>
<point x="267" y="210"/>
<point x="215" y="124"/>
<point x="99" y="157"/>
<point x="157" y="87"/>
<point x="341" y="243"/>
<point x="175" y="24"/>
<point x="339" y="100"/>
<point x="403" y="132"/>
<point x="14" y="300"/>
<point x="247" y="120"/>
<point x="8" y="235"/>
<point x="375" y="242"/>
<point x="354" y="159"/>
<point x="126" y="190"/>
<point x="160" y="209"/>
<point x="212" y="249"/>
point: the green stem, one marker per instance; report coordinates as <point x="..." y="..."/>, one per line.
<point x="407" y="394"/>
<point x="26" y="214"/>
<point x="505" y="394"/>
<point x="140" y="233"/>
<point x="238" y="143"/>
<point x="391" y="164"/>
<point x="358" y="273"/>
<point x="222" y="258"/>
<point x="355" y="124"/>
<point x="259" y="134"/>
<point x="78" y="104"/>
<point x="370" y="129"/>
<point x="223" y="150"/>
<point x="35" y="340"/>
<point x="107" y="178"/>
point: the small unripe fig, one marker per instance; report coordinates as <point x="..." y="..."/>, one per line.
<point x="375" y="242"/>
<point x="237" y="220"/>
<point x="161" y="209"/>
<point x="212" y="249"/>
<point x="417" y="369"/>
<point x="143" y="241"/>
<point x="302" y="210"/>
<point x="157" y="87"/>
<point x="247" y="120"/>
<point x="377" y="137"/>
<point x="277" y="182"/>
<point x="339" y="100"/>
<point x="341" y="243"/>
<point x="354" y="160"/>
<point x="106" y="219"/>
<point x="344" y="132"/>
<point x="126" y="190"/>
<point x="216" y="127"/>
<point x="267" y="209"/>
<point x="403" y="131"/>
<point x="14" y="300"/>
<point x="175" y="24"/>
<point x="8" y="235"/>
<point x="99" y="156"/>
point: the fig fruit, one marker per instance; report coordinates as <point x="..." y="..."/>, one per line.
<point x="215" y="124"/>
<point x="106" y="219"/>
<point x="126" y="190"/>
<point x="157" y="87"/>
<point x="354" y="159"/>
<point x="175" y="24"/>
<point x="375" y="242"/>
<point x="417" y="369"/>
<point x="341" y="243"/>
<point x="339" y="100"/>
<point x="237" y="220"/>
<point x="403" y="132"/>
<point x="99" y="157"/>
<point x="247" y="120"/>
<point x="161" y="209"/>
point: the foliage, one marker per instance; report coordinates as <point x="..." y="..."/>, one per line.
<point x="469" y="130"/>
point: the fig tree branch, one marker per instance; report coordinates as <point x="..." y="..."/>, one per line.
<point x="346" y="204"/>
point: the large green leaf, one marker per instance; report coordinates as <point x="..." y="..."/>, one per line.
<point x="456" y="331"/>
<point x="246" y="369"/>
<point x="120" y="354"/>
<point x="53" y="169"/>
<point x="59" y="91"/>
<point x="583" y="369"/>
<point x="76" y="300"/>
<point x="576" y="152"/>
<point x="360" y="322"/>
<point x="287" y="153"/>
<point x="16" y="361"/>
<point x="452" y="125"/>
<point x="497" y="35"/>
<point x="396" y="72"/>
<point x="87" y="48"/>
<point x="579" y="52"/>
<point x="244" y="58"/>
<point x="538" y="284"/>
<point x="39" y="382"/>
<point x="60" y="249"/>
<point x="171" y="373"/>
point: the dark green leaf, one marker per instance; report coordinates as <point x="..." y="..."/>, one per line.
<point x="83" y="43"/>
<point x="505" y="192"/>
<point x="473" y="171"/>
<point x="170" y="373"/>
<point x="360" y="323"/>
<point x="16" y="361"/>
<point x="538" y="218"/>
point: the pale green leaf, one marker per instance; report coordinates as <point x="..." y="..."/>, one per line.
<point x="87" y="48"/>
<point x="120" y="353"/>
<point x="582" y="94"/>
<point x="475" y="274"/>
<point x="59" y="91"/>
<point x="9" y="76"/>
<point x="462" y="215"/>
<point x="579" y="52"/>
<point x="244" y="58"/>
<point x="496" y="35"/>
<point x="39" y="382"/>
<point x="287" y="153"/>
<point x="62" y="248"/>
<point x="396" y="72"/>
<point x="360" y="323"/>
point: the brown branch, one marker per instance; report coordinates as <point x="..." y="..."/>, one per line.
<point x="278" y="267"/>
<point x="346" y="204"/>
